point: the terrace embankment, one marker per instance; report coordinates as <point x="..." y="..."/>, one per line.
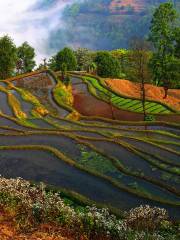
<point x="118" y="164"/>
<point x="132" y="89"/>
<point x="39" y="166"/>
<point x="89" y="105"/>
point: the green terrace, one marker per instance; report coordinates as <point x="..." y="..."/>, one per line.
<point x="101" y="91"/>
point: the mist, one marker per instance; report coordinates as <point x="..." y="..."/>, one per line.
<point x="48" y="25"/>
<point x="32" y="21"/>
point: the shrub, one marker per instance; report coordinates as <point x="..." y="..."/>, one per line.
<point x="150" y="118"/>
<point x="31" y="205"/>
<point x="146" y="217"/>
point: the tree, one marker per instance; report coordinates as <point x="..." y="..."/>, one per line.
<point x="63" y="71"/>
<point x="19" y="65"/>
<point x="123" y="57"/>
<point x="92" y="68"/>
<point x="67" y="80"/>
<point x="84" y="59"/>
<point x="8" y="57"/>
<point x="66" y="56"/>
<point x="107" y="65"/>
<point x="163" y="36"/>
<point x="26" y="55"/>
<point x="177" y="42"/>
<point x="52" y="63"/>
<point x="140" y="56"/>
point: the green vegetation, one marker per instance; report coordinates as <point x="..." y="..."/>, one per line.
<point x="43" y="205"/>
<point x="63" y="94"/>
<point x="84" y="59"/>
<point x="65" y="56"/>
<point x="165" y="65"/>
<point x="26" y="55"/>
<point x="8" y="57"/>
<point x="107" y="65"/>
<point x="95" y="161"/>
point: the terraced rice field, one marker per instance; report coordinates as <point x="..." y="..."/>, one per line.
<point x="134" y="105"/>
<point x="117" y="164"/>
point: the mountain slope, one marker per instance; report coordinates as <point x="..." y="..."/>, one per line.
<point x="103" y="24"/>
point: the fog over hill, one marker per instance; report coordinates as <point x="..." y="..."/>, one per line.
<point x="52" y="24"/>
<point x="32" y="21"/>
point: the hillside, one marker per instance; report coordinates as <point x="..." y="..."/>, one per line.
<point x="117" y="6"/>
<point x="131" y="89"/>
<point x="30" y="212"/>
<point x="103" y="24"/>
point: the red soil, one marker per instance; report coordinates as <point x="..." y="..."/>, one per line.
<point x="8" y="231"/>
<point x="132" y="89"/>
<point x="42" y="232"/>
<point x="88" y="105"/>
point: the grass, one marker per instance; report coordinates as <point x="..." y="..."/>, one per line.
<point x="95" y="161"/>
<point x="39" y="110"/>
<point x="16" y="107"/>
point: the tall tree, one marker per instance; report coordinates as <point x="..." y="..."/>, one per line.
<point x="26" y="55"/>
<point x="66" y="56"/>
<point x="52" y="63"/>
<point x="123" y="56"/>
<point x="140" y="55"/>
<point x="84" y="59"/>
<point x="163" y="36"/>
<point x="63" y="71"/>
<point x="8" y="57"/>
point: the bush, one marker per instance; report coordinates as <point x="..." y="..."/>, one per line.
<point x="146" y="217"/>
<point x="150" y="118"/>
<point x="33" y="204"/>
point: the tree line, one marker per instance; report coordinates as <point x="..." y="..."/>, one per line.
<point x="155" y="59"/>
<point x="15" y="60"/>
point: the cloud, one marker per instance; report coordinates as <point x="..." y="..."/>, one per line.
<point x="23" y="21"/>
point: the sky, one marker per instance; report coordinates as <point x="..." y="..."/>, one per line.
<point x="23" y="21"/>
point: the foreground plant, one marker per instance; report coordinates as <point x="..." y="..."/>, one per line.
<point x="31" y="205"/>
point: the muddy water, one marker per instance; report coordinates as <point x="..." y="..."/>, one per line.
<point x="4" y="106"/>
<point x="62" y="143"/>
<point x="3" y="84"/>
<point x="175" y="158"/>
<point x="26" y="106"/>
<point x="9" y="123"/>
<point x="132" y="161"/>
<point x="42" y="166"/>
